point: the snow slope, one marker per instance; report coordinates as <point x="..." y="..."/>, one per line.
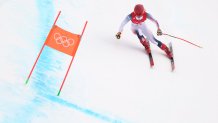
<point x="110" y="80"/>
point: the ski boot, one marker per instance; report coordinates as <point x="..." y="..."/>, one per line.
<point x="167" y="51"/>
<point x="148" y="50"/>
<point x="146" y="45"/>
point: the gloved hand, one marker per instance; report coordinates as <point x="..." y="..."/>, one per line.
<point x="159" y="32"/>
<point x="118" y="35"/>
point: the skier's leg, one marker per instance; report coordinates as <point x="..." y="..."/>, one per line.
<point x="151" y="38"/>
<point x="163" y="47"/>
<point x="145" y="43"/>
<point x="142" y="39"/>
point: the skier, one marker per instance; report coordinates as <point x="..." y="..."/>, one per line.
<point x="138" y="17"/>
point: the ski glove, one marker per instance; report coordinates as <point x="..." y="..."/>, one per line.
<point x="118" y="35"/>
<point x="159" y="32"/>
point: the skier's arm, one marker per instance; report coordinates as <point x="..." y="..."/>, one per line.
<point x="153" y="20"/>
<point x="159" y="32"/>
<point x="124" y="22"/>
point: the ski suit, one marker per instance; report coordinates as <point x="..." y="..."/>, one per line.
<point x="139" y="28"/>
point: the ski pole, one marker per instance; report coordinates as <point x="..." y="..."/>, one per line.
<point x="182" y="40"/>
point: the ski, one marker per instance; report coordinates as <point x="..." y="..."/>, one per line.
<point x="172" y="59"/>
<point x="151" y="60"/>
<point x="150" y="56"/>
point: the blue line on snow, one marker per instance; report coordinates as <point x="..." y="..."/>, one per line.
<point x="84" y="110"/>
<point x="43" y="84"/>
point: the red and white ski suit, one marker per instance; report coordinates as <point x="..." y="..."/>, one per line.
<point x="139" y="27"/>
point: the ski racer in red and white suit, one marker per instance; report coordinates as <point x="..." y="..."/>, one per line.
<point x="138" y="17"/>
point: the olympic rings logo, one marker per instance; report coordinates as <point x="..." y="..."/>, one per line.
<point x="63" y="40"/>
